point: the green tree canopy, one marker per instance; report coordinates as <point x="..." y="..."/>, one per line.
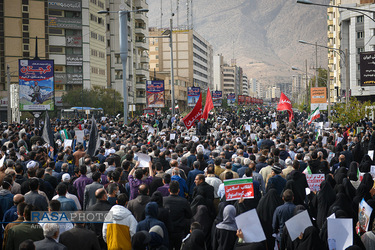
<point x="355" y="111"/>
<point x="108" y="99"/>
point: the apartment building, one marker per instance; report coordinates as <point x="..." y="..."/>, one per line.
<point x="245" y="85"/>
<point x="218" y="76"/>
<point x="137" y="71"/>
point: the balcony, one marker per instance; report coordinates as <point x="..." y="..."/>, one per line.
<point x="330" y="34"/>
<point x="141" y="44"/>
<point x="141" y="4"/>
<point x="141" y="100"/>
<point x="330" y="22"/>
<point x="140" y="30"/>
<point x="142" y="72"/>
<point x="141" y="17"/>
<point x="145" y="59"/>
<point x="140" y="85"/>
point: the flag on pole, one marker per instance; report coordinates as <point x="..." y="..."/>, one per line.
<point x="314" y="115"/>
<point x="194" y="115"/>
<point x="47" y="132"/>
<point x="209" y="105"/>
<point x="176" y="107"/>
<point x="285" y="104"/>
<point x="94" y="141"/>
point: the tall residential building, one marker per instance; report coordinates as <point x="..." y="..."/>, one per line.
<point x="357" y="35"/>
<point x="192" y="57"/>
<point x="218" y="76"/>
<point x="238" y="80"/>
<point x="229" y="79"/>
<point x="245" y="85"/>
<point x="253" y="85"/>
<point x="137" y="68"/>
<point x="334" y="59"/>
<point x="20" y="22"/>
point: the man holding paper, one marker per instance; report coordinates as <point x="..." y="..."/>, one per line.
<point x="136" y="179"/>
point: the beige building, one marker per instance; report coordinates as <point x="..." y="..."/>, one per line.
<point x="192" y="56"/>
<point x="20" y="22"/>
<point x="138" y="59"/>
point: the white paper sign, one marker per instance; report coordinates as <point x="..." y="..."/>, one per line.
<point x="67" y="143"/>
<point x="247" y="127"/>
<point x="253" y="136"/>
<point x="79" y="134"/>
<point x="194" y="138"/>
<point x="151" y="130"/>
<point x="372" y="170"/>
<point x="324" y="140"/>
<point x="339" y="139"/>
<point x="2" y="161"/>
<point x="297" y="224"/>
<point x="273" y="125"/>
<point x="172" y="136"/>
<point x="371" y="154"/>
<point x="250" y="225"/>
<point x="103" y="118"/>
<point x="341" y="232"/>
<point x="143" y="160"/>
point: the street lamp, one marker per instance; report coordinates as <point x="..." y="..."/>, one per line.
<point x="123" y="30"/>
<point x="346" y="61"/>
<point x="168" y="34"/>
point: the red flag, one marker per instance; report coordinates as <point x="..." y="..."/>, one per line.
<point x="208" y="106"/>
<point x="194" y="115"/>
<point x="285" y="104"/>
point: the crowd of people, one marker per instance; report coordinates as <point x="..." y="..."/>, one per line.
<point x="177" y="200"/>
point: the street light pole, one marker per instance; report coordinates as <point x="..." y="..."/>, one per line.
<point x="123" y="29"/>
<point x="316" y="64"/>
<point x="172" y="69"/>
<point x="329" y="96"/>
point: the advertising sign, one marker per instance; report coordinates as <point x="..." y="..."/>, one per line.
<point x="193" y="95"/>
<point x="241" y="100"/>
<point x="319" y="98"/>
<point x="217" y="98"/>
<point x="64" y="5"/>
<point x="248" y="100"/>
<point x="74" y="60"/>
<point x="231" y="99"/>
<point x="367" y="61"/>
<point x="155" y="94"/>
<point x="36" y="81"/>
<point x="236" y="189"/>
<point x="74" y="41"/>
<point x="65" y="23"/>
<point x="74" y="78"/>
<point x="314" y="181"/>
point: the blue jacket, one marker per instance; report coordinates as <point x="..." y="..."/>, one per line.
<point x="151" y="212"/>
<point x="280" y="216"/>
<point x="6" y="201"/>
<point x="183" y="187"/>
<point x="190" y="179"/>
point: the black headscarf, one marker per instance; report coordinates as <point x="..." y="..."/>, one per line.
<point x="349" y="189"/>
<point x="365" y="165"/>
<point x="310" y="240"/>
<point x="196" y="241"/>
<point x="266" y="207"/>
<point x="204" y="220"/>
<point x="325" y="197"/>
<point x="353" y="171"/>
<point x="342" y="202"/>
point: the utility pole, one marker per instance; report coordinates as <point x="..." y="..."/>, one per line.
<point x="307" y="85"/>
<point x="329" y="97"/>
<point x="9" y="110"/>
<point x="347" y="87"/>
<point x="172" y="69"/>
<point x="316" y="64"/>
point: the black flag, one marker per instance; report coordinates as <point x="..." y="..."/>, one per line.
<point x="47" y="132"/>
<point x="94" y="141"/>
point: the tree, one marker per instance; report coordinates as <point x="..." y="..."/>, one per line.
<point x="108" y="99"/>
<point x="351" y="114"/>
<point x="322" y="78"/>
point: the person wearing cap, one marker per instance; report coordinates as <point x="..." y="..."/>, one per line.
<point x="276" y="181"/>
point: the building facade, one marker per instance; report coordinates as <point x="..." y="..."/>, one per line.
<point x="137" y="70"/>
<point x="192" y="56"/>
<point x="218" y="76"/>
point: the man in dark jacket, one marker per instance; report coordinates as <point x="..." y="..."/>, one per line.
<point x="137" y="206"/>
<point x="79" y="238"/>
<point x="101" y="205"/>
<point x="51" y="233"/>
<point x="180" y="214"/>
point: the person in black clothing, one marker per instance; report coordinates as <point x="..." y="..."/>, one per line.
<point x="180" y="213"/>
<point x="101" y="205"/>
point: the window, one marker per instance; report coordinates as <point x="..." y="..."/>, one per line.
<point x="25" y="8"/>
<point x="118" y="74"/>
<point x="59" y="68"/>
<point x="359" y="49"/>
<point x="59" y="86"/>
<point x="55" y="13"/>
<point x="73" y="69"/>
<point x="359" y="19"/>
<point x="360" y="35"/>
<point x="359" y="66"/>
<point x="73" y="51"/>
<point x="25" y="28"/>
<point x="56" y="31"/>
<point x="57" y="50"/>
<point x="26" y="47"/>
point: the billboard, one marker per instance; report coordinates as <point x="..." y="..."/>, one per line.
<point x="193" y="95"/>
<point x="155" y="94"/>
<point x="367" y="61"/>
<point x="64" y="5"/>
<point x="248" y="100"/>
<point x="231" y="99"/>
<point x="241" y="100"/>
<point x="217" y="98"/>
<point x="319" y="98"/>
<point x="36" y="81"/>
